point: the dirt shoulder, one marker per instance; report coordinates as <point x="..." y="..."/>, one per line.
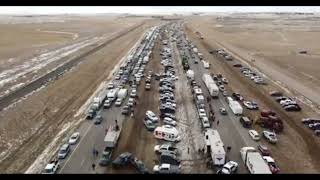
<point x="306" y="156"/>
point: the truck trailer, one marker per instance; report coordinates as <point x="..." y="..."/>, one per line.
<point x="254" y="161"/>
<point x="215" y="147"/>
<point x="211" y="85"/>
<point x="235" y="107"/>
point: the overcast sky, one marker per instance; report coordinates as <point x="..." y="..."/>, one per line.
<point x="149" y="9"/>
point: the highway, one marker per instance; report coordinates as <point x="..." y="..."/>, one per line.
<point x="230" y="129"/>
<point x="81" y="158"/>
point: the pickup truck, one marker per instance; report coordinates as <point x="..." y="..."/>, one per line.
<point x="166" y="169"/>
<point x="52" y="167"/>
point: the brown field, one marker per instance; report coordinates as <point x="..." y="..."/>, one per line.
<point x="31" y="125"/>
<point x="274" y="43"/>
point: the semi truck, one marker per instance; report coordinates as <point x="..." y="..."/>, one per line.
<point x="110" y="140"/>
<point x="211" y="85"/>
<point x="98" y="100"/>
<point x="254" y="161"/>
<point x="235" y="107"/>
<point x="112" y="94"/>
<point x="215" y="147"/>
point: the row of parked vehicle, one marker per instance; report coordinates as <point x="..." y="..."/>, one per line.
<point x="63" y="152"/>
<point x="252" y="75"/>
<point x="169" y="162"/>
<point x="223" y="53"/>
<point x="287" y="103"/>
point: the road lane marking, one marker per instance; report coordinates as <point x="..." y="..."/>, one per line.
<point x="84" y="135"/>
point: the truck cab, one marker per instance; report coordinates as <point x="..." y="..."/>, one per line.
<point x="106" y="157"/>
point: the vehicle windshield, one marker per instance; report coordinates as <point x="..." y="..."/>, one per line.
<point x="48" y="170"/>
<point x="63" y="151"/>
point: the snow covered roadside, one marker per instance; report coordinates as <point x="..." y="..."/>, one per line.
<point x="53" y="147"/>
<point x="74" y="35"/>
<point x="189" y="125"/>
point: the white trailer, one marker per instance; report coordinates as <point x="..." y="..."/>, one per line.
<point x="167" y="132"/>
<point x="215" y="147"/>
<point x="190" y="74"/>
<point x="98" y="100"/>
<point x="112" y="137"/>
<point x="122" y="93"/>
<point x="254" y="161"/>
<point x="112" y="94"/>
<point x="211" y="85"/>
<point x="235" y="107"/>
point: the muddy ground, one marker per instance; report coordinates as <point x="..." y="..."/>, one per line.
<point x="306" y="156"/>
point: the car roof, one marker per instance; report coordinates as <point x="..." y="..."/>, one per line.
<point x="254" y="132"/>
<point x="65" y="146"/>
<point x="268" y="159"/>
<point x="75" y="134"/>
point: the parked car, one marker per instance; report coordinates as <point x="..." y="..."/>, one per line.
<point x="168" y="115"/>
<point x="237" y="65"/>
<point x="98" y="120"/>
<point x="152" y="116"/>
<point x="264" y="150"/>
<point x="292" y="108"/>
<point x="225" y="93"/>
<point x="131" y="102"/>
<point x="223" y="111"/>
<point x="167" y="169"/>
<point x="250" y="105"/>
<point x="169" y="121"/>
<point x="272" y="164"/>
<point x="74" y="138"/>
<point x="229" y="168"/>
<point x="166" y="148"/>
<point x="310" y="120"/>
<point x="224" y="80"/>
<point x="149" y="124"/>
<point x="64" y="151"/>
<point x="254" y="135"/>
<point x="110" y="85"/>
<point x="246" y="122"/>
<point x="270" y="136"/>
<point x="125" y="110"/>
<point x="133" y="93"/>
<point x="122" y="160"/>
<point x="148" y="87"/>
<point x="107" y="104"/>
<point x="139" y="166"/>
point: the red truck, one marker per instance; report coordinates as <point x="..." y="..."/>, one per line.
<point x="270" y="120"/>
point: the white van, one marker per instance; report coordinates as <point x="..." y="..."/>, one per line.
<point x="167" y="132"/>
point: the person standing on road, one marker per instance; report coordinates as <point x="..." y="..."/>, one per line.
<point x="94" y="152"/>
<point x="218" y="123"/>
<point x="93" y="166"/>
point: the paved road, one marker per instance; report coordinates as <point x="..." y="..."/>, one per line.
<point x="92" y="136"/>
<point x="230" y="129"/>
